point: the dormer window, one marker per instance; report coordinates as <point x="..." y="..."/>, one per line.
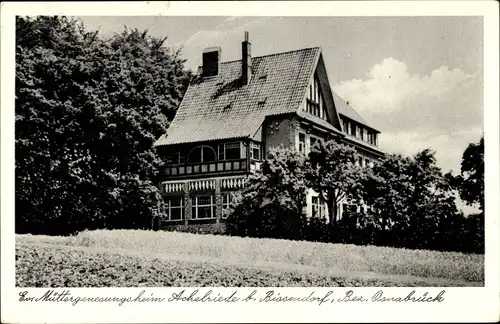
<point x="372" y="138"/>
<point x="345" y="124"/>
<point x="353" y="129"/>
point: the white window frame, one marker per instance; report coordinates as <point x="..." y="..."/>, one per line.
<point x="195" y="205"/>
<point x="315" y="96"/>
<point x="170" y="207"/>
<point x="353" y="129"/>
<point x="319" y="205"/>
<point x="346" y="124"/>
<point x="221" y="151"/>
<point x="257" y="146"/>
<point x="226" y="204"/>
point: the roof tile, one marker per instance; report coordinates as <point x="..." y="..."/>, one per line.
<point x="219" y="107"/>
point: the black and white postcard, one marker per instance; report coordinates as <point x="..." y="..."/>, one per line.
<point x="250" y="161"/>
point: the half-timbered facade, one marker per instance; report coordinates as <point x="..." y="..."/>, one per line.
<point x="233" y="113"/>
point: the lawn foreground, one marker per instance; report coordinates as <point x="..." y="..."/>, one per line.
<point x="131" y="258"/>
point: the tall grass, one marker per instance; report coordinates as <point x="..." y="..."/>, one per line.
<point x="336" y="257"/>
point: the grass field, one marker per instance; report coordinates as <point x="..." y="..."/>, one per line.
<point x="129" y="258"/>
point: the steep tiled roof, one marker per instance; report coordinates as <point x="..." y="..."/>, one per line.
<point x="218" y="107"/>
<point x="344" y="109"/>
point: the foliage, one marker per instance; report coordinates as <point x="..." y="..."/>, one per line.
<point x="342" y="259"/>
<point x="413" y="204"/>
<point x="272" y="203"/>
<point x="88" y="110"/>
<point x="332" y="173"/>
<point x="470" y="182"/>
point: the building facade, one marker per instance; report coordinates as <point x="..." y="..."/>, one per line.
<point x="233" y="113"/>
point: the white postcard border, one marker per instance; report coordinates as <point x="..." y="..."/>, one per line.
<point x="460" y="305"/>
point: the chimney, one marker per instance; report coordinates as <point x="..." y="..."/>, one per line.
<point x="211" y="61"/>
<point x="246" y="61"/>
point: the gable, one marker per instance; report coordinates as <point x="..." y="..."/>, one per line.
<point x="318" y="100"/>
<point x="315" y="101"/>
<point x="330" y="107"/>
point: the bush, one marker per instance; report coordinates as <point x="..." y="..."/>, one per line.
<point x="269" y="221"/>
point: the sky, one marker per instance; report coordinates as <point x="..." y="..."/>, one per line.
<point x="419" y="80"/>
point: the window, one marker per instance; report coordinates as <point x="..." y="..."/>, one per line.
<point x="255" y="151"/>
<point x="318" y="207"/>
<point x="353" y="129"/>
<point x="372" y="138"/>
<point x="175" y="208"/>
<point x="174" y="158"/>
<point x="302" y="142"/>
<point x="226" y="204"/>
<point x="203" y="206"/>
<point x="312" y="141"/>
<point x="201" y="154"/>
<point x="362" y="132"/>
<point x="230" y="151"/>
<point x="315" y="104"/>
<point x="346" y="126"/>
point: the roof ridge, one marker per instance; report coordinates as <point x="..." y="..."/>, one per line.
<point x="274" y="54"/>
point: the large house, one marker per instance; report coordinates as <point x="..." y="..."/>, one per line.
<point x="233" y="113"/>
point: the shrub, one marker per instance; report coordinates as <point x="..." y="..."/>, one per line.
<point x="268" y="221"/>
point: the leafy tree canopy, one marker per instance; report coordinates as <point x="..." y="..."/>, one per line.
<point x="331" y="171"/>
<point x="470" y="182"/>
<point x="88" y="110"/>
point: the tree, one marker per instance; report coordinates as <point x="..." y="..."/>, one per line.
<point x="87" y="112"/>
<point x="411" y="199"/>
<point x="332" y="173"/>
<point x="271" y="205"/>
<point x="470" y="182"/>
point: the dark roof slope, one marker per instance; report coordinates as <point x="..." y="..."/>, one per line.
<point x="219" y="108"/>
<point x="344" y="109"/>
